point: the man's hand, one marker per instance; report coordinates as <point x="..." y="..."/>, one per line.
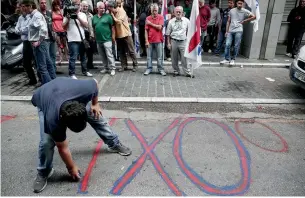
<point x="36" y="44"/>
<point x="226" y="34"/>
<point x="169" y="46"/>
<point x="148" y="22"/>
<point x="96" y="110"/>
<point x="242" y="22"/>
<point x="75" y="173"/>
<point x="146" y="44"/>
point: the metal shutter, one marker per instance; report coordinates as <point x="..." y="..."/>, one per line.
<point x="290" y="4"/>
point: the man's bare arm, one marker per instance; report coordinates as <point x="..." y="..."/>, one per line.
<point x="251" y="17"/>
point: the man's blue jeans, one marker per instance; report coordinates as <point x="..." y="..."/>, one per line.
<point x="44" y="63"/>
<point x="220" y="41"/>
<point x="237" y="39"/>
<point x="158" y="48"/>
<point x="47" y="144"/>
<point x="75" y="49"/>
<point x="52" y="50"/>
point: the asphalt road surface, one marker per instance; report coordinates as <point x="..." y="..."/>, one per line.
<point x="178" y="149"/>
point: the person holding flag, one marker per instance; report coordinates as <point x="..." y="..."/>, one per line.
<point x="193" y="44"/>
<point x="177" y="31"/>
<point x="154" y="39"/>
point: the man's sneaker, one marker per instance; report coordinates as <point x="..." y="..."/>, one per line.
<point x="176" y="74"/>
<point x="232" y="62"/>
<point x="162" y="72"/>
<point x="104" y="71"/>
<point x="134" y="69"/>
<point x="88" y="74"/>
<point x="289" y="54"/>
<point x="147" y="72"/>
<point x="73" y="77"/>
<point x="169" y="59"/>
<point x="41" y="182"/>
<point x="210" y="51"/>
<point x="120" y="149"/>
<point x="112" y="73"/>
<point x="224" y="62"/>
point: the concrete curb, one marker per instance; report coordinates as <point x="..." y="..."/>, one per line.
<point x="178" y="100"/>
<point x="204" y="64"/>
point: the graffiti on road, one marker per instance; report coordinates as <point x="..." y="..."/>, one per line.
<point x="240" y="188"/>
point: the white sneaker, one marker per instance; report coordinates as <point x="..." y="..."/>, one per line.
<point x="104" y="71"/>
<point x="169" y="59"/>
<point x="88" y="74"/>
<point x="232" y="62"/>
<point x="73" y="77"/>
<point x="112" y="73"/>
<point x="289" y="54"/>
<point x="210" y="51"/>
<point x="224" y="62"/>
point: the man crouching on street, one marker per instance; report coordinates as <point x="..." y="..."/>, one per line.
<point x="68" y="103"/>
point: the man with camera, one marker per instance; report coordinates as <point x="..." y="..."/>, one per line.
<point x="74" y="23"/>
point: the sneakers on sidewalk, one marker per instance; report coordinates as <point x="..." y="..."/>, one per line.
<point x="104" y="71"/>
<point x="88" y="74"/>
<point x="73" y="77"/>
<point x="232" y="63"/>
<point x="120" y="149"/>
<point x="112" y="72"/>
<point x="147" y="72"/>
<point x="224" y="62"/>
<point x="162" y="72"/>
<point x="41" y="182"/>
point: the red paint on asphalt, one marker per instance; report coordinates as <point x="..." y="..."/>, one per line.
<point x="6" y="118"/>
<point x="84" y="183"/>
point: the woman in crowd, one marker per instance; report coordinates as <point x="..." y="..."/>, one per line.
<point x="57" y="17"/>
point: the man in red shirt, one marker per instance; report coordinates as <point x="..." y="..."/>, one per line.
<point x="205" y="16"/>
<point x="154" y="39"/>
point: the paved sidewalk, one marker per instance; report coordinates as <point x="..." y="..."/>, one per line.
<point x="209" y="82"/>
<point x="212" y="60"/>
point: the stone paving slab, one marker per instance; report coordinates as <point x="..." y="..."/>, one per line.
<point x="208" y="83"/>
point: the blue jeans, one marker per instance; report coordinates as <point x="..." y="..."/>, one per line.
<point x="158" y="48"/>
<point x="221" y="39"/>
<point x="44" y="63"/>
<point x="237" y="39"/>
<point x="52" y="50"/>
<point x="47" y="144"/>
<point x="75" y="49"/>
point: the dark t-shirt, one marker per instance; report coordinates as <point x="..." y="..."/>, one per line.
<point x="49" y="98"/>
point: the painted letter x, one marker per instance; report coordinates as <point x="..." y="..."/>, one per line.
<point x="133" y="169"/>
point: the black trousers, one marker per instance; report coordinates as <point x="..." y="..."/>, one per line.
<point x="212" y="35"/>
<point x="27" y="60"/>
<point x="90" y="53"/>
<point x="295" y="35"/>
<point x="142" y="38"/>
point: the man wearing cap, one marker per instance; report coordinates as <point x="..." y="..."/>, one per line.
<point x="37" y="33"/>
<point x="123" y="35"/>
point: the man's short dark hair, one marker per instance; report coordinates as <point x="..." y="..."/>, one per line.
<point x="240" y="0"/>
<point x="74" y="115"/>
<point x="212" y="2"/>
<point x="112" y="4"/>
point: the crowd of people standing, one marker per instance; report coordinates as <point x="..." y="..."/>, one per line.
<point x="108" y="30"/>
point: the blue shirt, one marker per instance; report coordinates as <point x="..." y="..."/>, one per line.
<point x="50" y="97"/>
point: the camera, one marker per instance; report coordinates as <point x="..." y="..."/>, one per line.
<point x="70" y="9"/>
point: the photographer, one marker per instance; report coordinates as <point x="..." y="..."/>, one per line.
<point x="74" y="23"/>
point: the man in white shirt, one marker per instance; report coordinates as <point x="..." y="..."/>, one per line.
<point x="177" y="32"/>
<point x="75" y="44"/>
